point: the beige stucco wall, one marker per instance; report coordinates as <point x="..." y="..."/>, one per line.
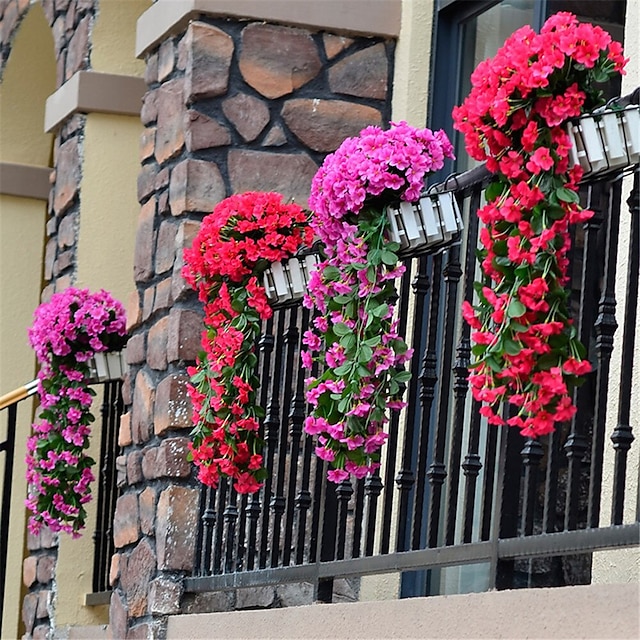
<point x="602" y="611"/>
<point x="623" y="565"/>
<point x="28" y="78"/>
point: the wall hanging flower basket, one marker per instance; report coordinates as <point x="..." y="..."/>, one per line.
<point x="287" y="281"/>
<point x="606" y="141"/>
<point x="107" y="365"/>
<point x="431" y="223"/>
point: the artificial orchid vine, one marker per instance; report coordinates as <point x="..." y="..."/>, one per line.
<point x="67" y="332"/>
<point x="235" y="244"/>
<point x="526" y="348"/>
<point x="354" y="339"/>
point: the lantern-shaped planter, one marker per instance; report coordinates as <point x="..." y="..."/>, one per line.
<point x="431" y="223"/>
<point x="108" y="365"/>
<point x="287" y="281"/>
<point x="606" y="141"/>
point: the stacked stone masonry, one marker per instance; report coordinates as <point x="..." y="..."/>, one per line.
<point x="231" y="106"/>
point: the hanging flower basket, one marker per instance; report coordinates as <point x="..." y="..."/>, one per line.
<point x="433" y="222"/>
<point x="107" y="365"/>
<point x="606" y="141"/>
<point x="286" y="281"/>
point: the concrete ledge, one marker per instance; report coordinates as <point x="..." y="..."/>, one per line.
<point x="93" y="92"/>
<point x="594" y="611"/>
<point x="366" y="17"/>
<point x="24" y="181"/>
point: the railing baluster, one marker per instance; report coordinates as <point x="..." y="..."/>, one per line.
<point x="218" y="543"/>
<point x="296" y="420"/>
<point x="531" y="453"/>
<point x="358" y="514"/>
<point x="344" y="491"/>
<point x="230" y="518"/>
<point x="208" y="520"/>
<point x="303" y="500"/>
<point x="605" y="329"/>
<point x="394" y="425"/>
<point x="622" y="435"/>
<point x="577" y="443"/>
<point x="549" y="515"/>
<point x="278" y="502"/>
<point x="437" y="471"/>
<point x="271" y="431"/>
<point x="372" y="490"/>
<point x="427" y="380"/>
<point x="489" y="478"/>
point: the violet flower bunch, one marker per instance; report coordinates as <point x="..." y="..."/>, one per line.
<point x="67" y="332"/>
<point x="354" y="340"/>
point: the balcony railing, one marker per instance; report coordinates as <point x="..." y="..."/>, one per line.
<point x="452" y="490"/>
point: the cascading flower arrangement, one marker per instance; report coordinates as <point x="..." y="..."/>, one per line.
<point x="235" y="244"/>
<point x="354" y="338"/>
<point x="67" y="332"/>
<point x="526" y="348"/>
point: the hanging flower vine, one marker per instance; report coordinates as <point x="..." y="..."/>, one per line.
<point x="67" y="332"/>
<point x="235" y="244"/>
<point x="355" y="336"/>
<point x="526" y="347"/>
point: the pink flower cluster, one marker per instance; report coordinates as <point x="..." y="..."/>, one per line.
<point x="66" y="333"/>
<point x="526" y="348"/>
<point x="354" y="339"/>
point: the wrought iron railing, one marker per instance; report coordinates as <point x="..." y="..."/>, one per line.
<point x="9" y="407"/>
<point x="451" y="491"/>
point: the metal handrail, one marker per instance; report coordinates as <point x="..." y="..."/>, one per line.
<point x="18" y="394"/>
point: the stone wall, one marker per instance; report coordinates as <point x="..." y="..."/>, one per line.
<point x="232" y="106"/>
<point x="11" y="13"/>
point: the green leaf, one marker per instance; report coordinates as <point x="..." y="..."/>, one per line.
<point x="348" y="341"/>
<point x="343" y="369"/>
<point x="511" y="347"/>
<point x="389" y="257"/>
<point x="374" y="256"/>
<point x="567" y="195"/>
<point x="494" y="190"/>
<point x="515" y="309"/>
<point x="341" y="329"/>
<point x="342" y="299"/>
<point x="365" y="355"/>
<point x="373" y="342"/>
<point x="331" y="273"/>
<point x="402" y="376"/>
<point x="380" y="311"/>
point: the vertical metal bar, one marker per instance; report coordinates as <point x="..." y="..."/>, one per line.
<point x="577" y="443"/>
<point x="605" y="326"/>
<point x="372" y="490"/>
<point x="344" y="491"/>
<point x="230" y="516"/>
<point x="207" y="526"/>
<point x="437" y="471"/>
<point x="303" y="500"/>
<point x="271" y="431"/>
<point x="278" y="502"/>
<point x="296" y="419"/>
<point x="531" y="453"/>
<point x="427" y="380"/>
<point x="8" y="446"/>
<point x="507" y="501"/>
<point x="241" y="526"/>
<point x="549" y="516"/>
<point x="221" y="495"/>
<point x="358" y="515"/>
<point x="316" y="541"/>
<point x="488" y="483"/>
<point x="622" y="435"/>
<point x="394" y="426"/>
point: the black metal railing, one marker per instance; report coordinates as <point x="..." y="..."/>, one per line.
<point x="9" y="408"/>
<point x="107" y="491"/>
<point x="452" y="490"/>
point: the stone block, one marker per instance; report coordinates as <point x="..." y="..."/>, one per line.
<point x="208" y="602"/>
<point x="135" y="578"/>
<point x="157" y="344"/>
<point x="170" y="133"/>
<point x="147" y="505"/>
<point x="255" y="597"/>
<point x="364" y="74"/>
<point x="149" y="109"/>
<point x="276" y="137"/>
<point x="78" y="48"/>
<point x="67" y="230"/>
<point x="203" y="132"/>
<point x="173" y="407"/>
<point x="295" y="594"/>
<point x="196" y="185"/>
<point x="151" y="70"/>
<point x="147" y="143"/>
<point x="134" y="467"/>
<point x="124" y="432"/>
<point x="277" y="60"/>
<point x="136" y="351"/>
<point x="46" y="569"/>
<point x="183" y="340"/>
<point x="176" y="528"/>
<point x="121" y="471"/>
<point x="29" y="607"/>
<point x="286" y="173"/>
<point x="29" y="569"/>
<point x="126" y="520"/>
<point x="145" y="240"/>
<point x="67" y="175"/>
<point x="49" y="258"/>
<point x="117" y="561"/>
<point x="166" y="60"/>
<point x="146" y="181"/>
<point x="322" y="125"/>
<point x="163" y="298"/>
<point x="208" y="60"/>
<point x="133" y="311"/>
<point x="333" y="44"/>
<point x="117" y="616"/>
<point x="164" y="596"/>
<point x="165" y="246"/>
<point x="248" y="114"/>
<point x="148" y="299"/>
<point x="44" y="599"/>
<point x="142" y="410"/>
